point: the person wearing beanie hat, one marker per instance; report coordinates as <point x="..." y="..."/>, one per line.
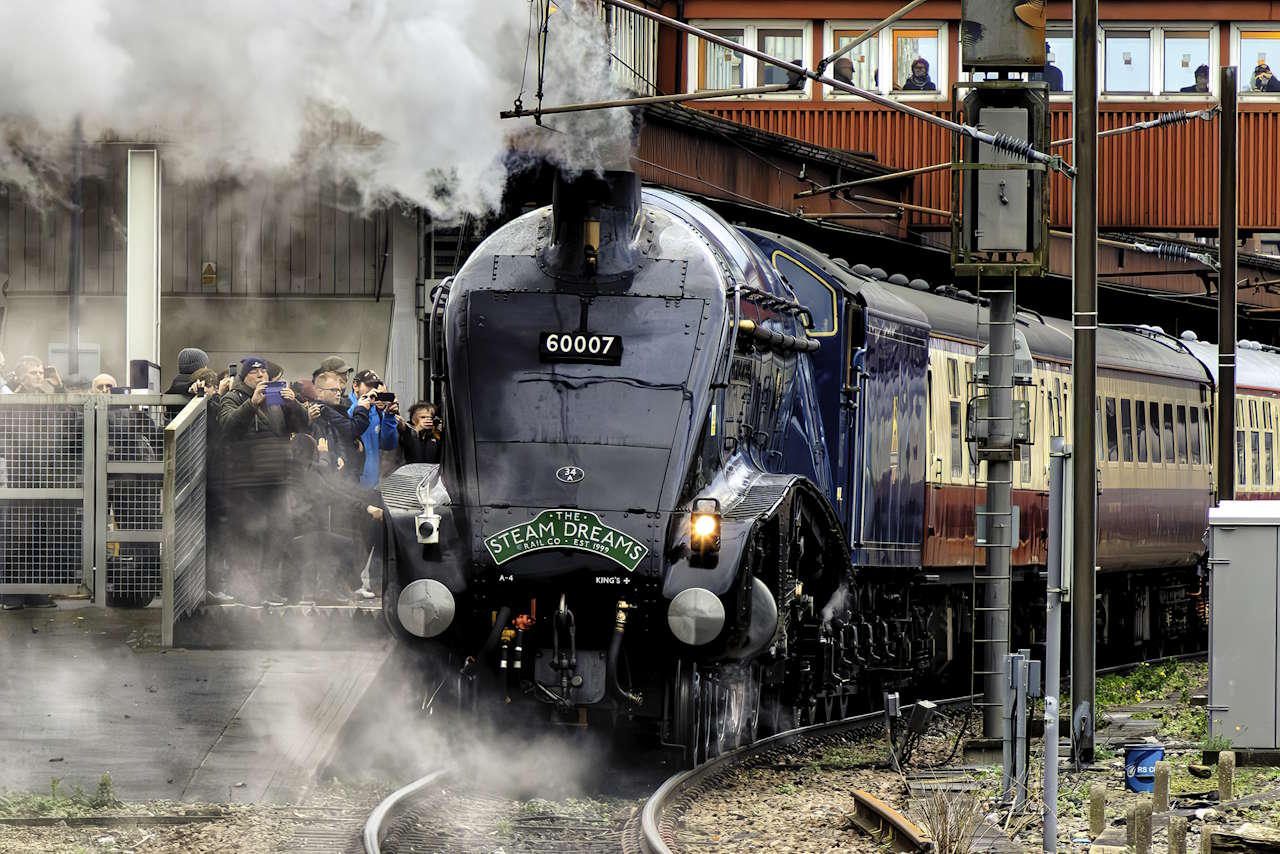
<point x="190" y="360"/>
<point x="919" y="80"/>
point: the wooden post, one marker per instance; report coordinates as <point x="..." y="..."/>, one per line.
<point x="1142" y="826"/>
<point x="1177" y="834"/>
<point x="1162" y="788"/>
<point x="1097" y="809"/>
<point x="1226" y="776"/>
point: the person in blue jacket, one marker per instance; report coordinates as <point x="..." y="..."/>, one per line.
<point x="381" y="433"/>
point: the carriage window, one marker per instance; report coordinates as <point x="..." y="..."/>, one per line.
<point x="1208" y="436"/>
<point x="1153" y="424"/>
<point x="1195" y="435"/>
<point x="1113" y="447"/>
<point x="1140" y="429"/>
<point x="1253" y="415"/>
<point x="953" y="378"/>
<point x="1268" y="441"/>
<point x="1167" y="424"/>
<point x="1240" y="472"/>
<point x="1097" y="417"/>
<point x="1126" y="430"/>
<point x="1255" y="458"/>
<point x="1182" y="434"/>
<point x="957" y="445"/>
<point x="1024" y="462"/>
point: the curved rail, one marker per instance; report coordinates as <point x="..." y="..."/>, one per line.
<point x="392" y="807"/>
<point x="651" y="840"/>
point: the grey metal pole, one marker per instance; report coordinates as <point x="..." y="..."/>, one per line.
<point x="998" y="512"/>
<point x="1227" y="216"/>
<point x="75" y="267"/>
<point x="1022" y="691"/>
<point x="1058" y="454"/>
<point x="1084" y="375"/>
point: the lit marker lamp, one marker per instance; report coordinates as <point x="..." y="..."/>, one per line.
<point x="704" y="526"/>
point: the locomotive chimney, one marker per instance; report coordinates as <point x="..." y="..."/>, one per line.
<point x="594" y="219"/>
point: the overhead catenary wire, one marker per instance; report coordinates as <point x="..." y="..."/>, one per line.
<point x="1000" y="141"/>
<point x="1163" y="120"/>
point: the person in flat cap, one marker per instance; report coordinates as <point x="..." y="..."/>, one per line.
<point x="1202" y="81"/>
<point x="1264" y="80"/>
<point x="919" y="81"/>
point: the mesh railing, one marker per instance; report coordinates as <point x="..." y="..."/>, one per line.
<point x="45" y="492"/>
<point x="183" y="563"/>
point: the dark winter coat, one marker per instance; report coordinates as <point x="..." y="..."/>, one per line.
<point x="341" y="434"/>
<point x="914" y="85"/>
<point x="419" y="447"/>
<point x="254" y="441"/>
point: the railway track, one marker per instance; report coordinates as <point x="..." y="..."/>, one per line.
<point x="656" y="830"/>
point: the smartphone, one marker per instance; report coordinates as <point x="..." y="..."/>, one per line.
<point x="385" y="396"/>
<point x="272" y="393"/>
<point x="233" y="369"/>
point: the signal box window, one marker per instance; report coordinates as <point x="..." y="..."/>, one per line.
<point x="1127" y="61"/>
<point x="718" y="66"/>
<point x="1186" y="61"/>
<point x="1059" y="62"/>
<point x="1259" y="52"/>
<point x="785" y="44"/>
<point x="860" y="66"/>
<point x="915" y="60"/>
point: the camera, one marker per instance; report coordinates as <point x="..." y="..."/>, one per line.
<point x="385" y="396"/>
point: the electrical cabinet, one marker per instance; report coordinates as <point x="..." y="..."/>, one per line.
<point x="1244" y="603"/>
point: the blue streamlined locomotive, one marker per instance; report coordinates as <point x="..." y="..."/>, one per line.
<point x="691" y="475"/>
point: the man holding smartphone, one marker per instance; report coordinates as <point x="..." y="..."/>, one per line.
<point x="381" y="433"/>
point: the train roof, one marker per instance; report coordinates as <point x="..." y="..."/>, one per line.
<point x="955" y="314"/>
<point x="1255" y="367"/>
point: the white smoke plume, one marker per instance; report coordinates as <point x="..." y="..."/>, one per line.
<point x="396" y="98"/>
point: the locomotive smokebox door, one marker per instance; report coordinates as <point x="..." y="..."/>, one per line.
<point x="1002" y="35"/>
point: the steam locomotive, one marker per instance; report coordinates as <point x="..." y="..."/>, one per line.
<point x="709" y="481"/>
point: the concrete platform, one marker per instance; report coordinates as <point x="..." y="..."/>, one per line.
<point x="85" y="691"/>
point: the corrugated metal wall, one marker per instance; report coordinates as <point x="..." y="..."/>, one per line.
<point x="263" y="239"/>
<point x="1153" y="180"/>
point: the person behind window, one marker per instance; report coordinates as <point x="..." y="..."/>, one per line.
<point x="842" y="70"/>
<point x="103" y="384"/>
<point x="1264" y="80"/>
<point x="919" y="80"/>
<point x="1051" y="74"/>
<point x="1202" y="81"/>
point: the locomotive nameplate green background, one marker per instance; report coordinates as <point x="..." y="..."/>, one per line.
<point x="579" y="530"/>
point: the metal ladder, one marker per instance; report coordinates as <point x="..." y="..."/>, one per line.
<point x="984" y="645"/>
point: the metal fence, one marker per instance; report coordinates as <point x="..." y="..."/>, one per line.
<point x="82" y="481"/>
<point x="46" y="492"/>
<point x="185" y="473"/>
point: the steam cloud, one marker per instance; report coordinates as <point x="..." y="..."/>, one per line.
<point x="397" y="98"/>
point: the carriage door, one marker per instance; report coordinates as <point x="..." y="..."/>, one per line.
<point x="851" y="375"/>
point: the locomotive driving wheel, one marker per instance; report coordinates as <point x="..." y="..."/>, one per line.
<point x="714" y="711"/>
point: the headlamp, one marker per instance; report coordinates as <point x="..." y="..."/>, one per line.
<point x="704" y="526"/>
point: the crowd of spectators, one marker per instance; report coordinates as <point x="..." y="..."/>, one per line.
<point x="292" y="512"/>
